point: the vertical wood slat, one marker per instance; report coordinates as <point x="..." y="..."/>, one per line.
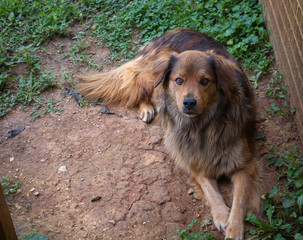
<point x="7" y="231"/>
<point x="284" y="18"/>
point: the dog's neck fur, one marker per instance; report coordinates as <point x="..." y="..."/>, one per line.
<point x="197" y="137"/>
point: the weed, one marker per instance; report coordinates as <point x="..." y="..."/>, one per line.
<point x="275" y="88"/>
<point x="255" y="78"/>
<point x="282" y="205"/>
<point x="124" y="26"/>
<point x="201" y="233"/>
<point x="8" y="186"/>
<point x="33" y="235"/>
<point x="76" y="56"/>
<point x="25" y="25"/>
<point x="239" y="25"/>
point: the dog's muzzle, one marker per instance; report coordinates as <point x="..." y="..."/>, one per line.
<point x="189" y="103"/>
<point x="189" y="106"/>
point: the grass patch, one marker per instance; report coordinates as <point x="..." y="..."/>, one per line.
<point x="239" y="25"/>
<point x="8" y="186"/>
<point x="200" y="233"/>
<point x="124" y="26"/>
<point x="25" y="25"/>
<point x="283" y="204"/>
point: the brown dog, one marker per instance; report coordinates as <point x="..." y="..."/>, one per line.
<point x="208" y="113"/>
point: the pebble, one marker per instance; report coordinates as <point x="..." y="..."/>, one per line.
<point x="33" y="189"/>
<point x="36" y="193"/>
<point x="112" y="221"/>
<point x="190" y="191"/>
<point x="11" y="159"/>
<point x="62" y="169"/>
<point x="42" y="160"/>
<point x="96" y="198"/>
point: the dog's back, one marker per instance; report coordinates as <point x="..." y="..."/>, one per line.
<point x="184" y="39"/>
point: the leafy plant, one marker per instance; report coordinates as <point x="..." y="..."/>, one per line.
<point x="201" y="233"/>
<point x="8" y="186"/>
<point x="275" y="109"/>
<point x="276" y="88"/>
<point x="124" y="26"/>
<point x="283" y="204"/>
<point x="239" y="25"/>
<point x="255" y="78"/>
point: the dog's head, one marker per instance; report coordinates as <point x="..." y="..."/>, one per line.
<point x="195" y="80"/>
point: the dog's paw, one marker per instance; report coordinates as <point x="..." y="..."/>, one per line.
<point x="220" y="217"/>
<point x="234" y="230"/>
<point x="146" y="112"/>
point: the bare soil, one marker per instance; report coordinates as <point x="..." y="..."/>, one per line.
<point x="87" y="175"/>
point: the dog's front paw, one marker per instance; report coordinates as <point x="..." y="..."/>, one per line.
<point x="220" y="217"/>
<point x="235" y="230"/>
<point x="146" y="112"/>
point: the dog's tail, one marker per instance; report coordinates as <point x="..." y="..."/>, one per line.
<point x="127" y="85"/>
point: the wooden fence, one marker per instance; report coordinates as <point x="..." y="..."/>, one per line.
<point x="284" y="18"/>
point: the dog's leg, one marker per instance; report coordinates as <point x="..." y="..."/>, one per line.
<point x="219" y="210"/>
<point x="146" y="112"/>
<point x="245" y="193"/>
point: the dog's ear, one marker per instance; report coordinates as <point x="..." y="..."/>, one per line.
<point x="225" y="71"/>
<point x="163" y="77"/>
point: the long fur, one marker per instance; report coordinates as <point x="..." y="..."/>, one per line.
<point x="218" y="139"/>
<point x="127" y="85"/>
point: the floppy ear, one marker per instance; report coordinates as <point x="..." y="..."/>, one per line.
<point x="164" y="76"/>
<point x="225" y="71"/>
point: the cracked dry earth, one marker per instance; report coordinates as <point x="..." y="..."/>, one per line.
<point x="122" y="160"/>
<point x="87" y="175"/>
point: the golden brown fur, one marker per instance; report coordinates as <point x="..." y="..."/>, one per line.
<point x="207" y="110"/>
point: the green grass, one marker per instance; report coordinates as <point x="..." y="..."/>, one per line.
<point x="124" y="26"/>
<point x="239" y="25"/>
<point x="193" y="231"/>
<point x="283" y="204"/>
<point x="8" y="186"/>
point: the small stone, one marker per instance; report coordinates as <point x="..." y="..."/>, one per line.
<point x="62" y="169"/>
<point x="58" y="189"/>
<point x="18" y="206"/>
<point x="190" y="191"/>
<point x="42" y="160"/>
<point x="33" y="189"/>
<point x="144" y="223"/>
<point x="19" y="191"/>
<point x="96" y="198"/>
<point x="36" y="193"/>
<point x="112" y="222"/>
<point x="11" y="159"/>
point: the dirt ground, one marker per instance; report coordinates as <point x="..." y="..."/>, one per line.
<point x="87" y="175"/>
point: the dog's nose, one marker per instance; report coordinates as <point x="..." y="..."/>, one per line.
<point x="189" y="103"/>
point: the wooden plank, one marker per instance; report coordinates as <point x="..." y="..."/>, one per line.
<point x="7" y="231"/>
<point x="285" y="20"/>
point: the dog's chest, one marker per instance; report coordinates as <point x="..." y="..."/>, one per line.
<point x="201" y="151"/>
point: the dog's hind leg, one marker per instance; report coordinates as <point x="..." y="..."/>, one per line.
<point x="219" y="210"/>
<point x="245" y="195"/>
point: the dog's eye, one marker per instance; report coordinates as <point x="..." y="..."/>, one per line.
<point x="179" y="81"/>
<point x="204" y="81"/>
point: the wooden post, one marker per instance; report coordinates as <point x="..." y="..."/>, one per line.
<point x="7" y="230"/>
